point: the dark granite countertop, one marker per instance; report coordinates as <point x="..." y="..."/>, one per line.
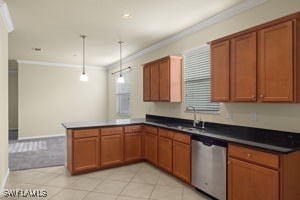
<point x="270" y="140"/>
<point x="90" y="124"/>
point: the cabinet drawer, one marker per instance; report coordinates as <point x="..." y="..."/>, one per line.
<point x="83" y="133"/>
<point x="182" y="138"/>
<point x="151" y="129"/>
<point x="259" y="157"/>
<point x="132" y="129"/>
<point x="112" y="131"/>
<point x="166" y="133"/>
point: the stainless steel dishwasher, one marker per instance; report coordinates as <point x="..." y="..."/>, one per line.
<point x="209" y="166"/>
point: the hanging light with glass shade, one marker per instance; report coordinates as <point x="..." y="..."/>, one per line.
<point x="120" y="78"/>
<point x="83" y="76"/>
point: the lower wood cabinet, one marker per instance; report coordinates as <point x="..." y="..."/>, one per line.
<point x="86" y="154"/>
<point x="165" y="153"/>
<point x="260" y="175"/>
<point x="92" y="149"/>
<point x="111" y="150"/>
<point x="182" y="161"/>
<point x="83" y="147"/>
<point x="150" y="147"/>
<point x="133" y="143"/>
<point x="248" y="181"/>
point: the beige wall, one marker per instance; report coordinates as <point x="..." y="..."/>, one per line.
<point x="273" y="116"/>
<point x="3" y="102"/>
<point x="50" y="95"/>
<point x="13" y="95"/>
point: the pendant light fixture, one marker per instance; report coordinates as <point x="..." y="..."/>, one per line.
<point x="120" y="78"/>
<point x="83" y="76"/>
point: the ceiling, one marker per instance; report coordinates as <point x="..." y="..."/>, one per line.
<point x="56" y="25"/>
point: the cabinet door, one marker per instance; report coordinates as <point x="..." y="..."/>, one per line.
<point x="243" y="68"/>
<point x="248" y="181"/>
<point x="111" y="149"/>
<point x="133" y="146"/>
<point x="150" y="147"/>
<point x="276" y="63"/>
<point x="164" y="80"/>
<point x="86" y="154"/>
<point x="182" y="161"/>
<point x="147" y="82"/>
<point x="165" y="153"/>
<point x="220" y="71"/>
<point x="154" y="77"/>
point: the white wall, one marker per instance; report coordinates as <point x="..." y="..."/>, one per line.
<point x="3" y="102"/>
<point x="273" y="116"/>
<point x="50" y="95"/>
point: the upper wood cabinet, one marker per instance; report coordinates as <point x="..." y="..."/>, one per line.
<point x="260" y="64"/>
<point x="243" y="68"/>
<point x="162" y="80"/>
<point x="147" y="83"/>
<point x="276" y="69"/>
<point x="220" y="71"/>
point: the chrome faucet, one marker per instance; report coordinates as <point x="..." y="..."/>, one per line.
<point x="195" y="122"/>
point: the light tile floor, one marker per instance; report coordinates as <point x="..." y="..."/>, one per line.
<point x="131" y="182"/>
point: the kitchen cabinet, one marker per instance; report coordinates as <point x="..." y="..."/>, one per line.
<point x="261" y="175"/>
<point x="182" y="157"/>
<point x="243" y="68"/>
<point x="249" y="181"/>
<point x="83" y="150"/>
<point x="146" y="83"/>
<point x="276" y="69"/>
<point x="112" y="146"/>
<point x="260" y="64"/>
<point x="150" y="144"/>
<point x="154" y="81"/>
<point x="133" y="143"/>
<point x="162" y="80"/>
<point x="165" y="149"/>
<point x="220" y="71"/>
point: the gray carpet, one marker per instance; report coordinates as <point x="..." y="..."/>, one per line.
<point x="36" y="153"/>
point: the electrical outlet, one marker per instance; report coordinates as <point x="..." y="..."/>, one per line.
<point x="229" y="115"/>
<point x="253" y="116"/>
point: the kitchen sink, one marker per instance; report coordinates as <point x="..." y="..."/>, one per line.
<point x="187" y="128"/>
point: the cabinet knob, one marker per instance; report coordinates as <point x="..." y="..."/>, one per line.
<point x="229" y="162"/>
<point x="249" y="155"/>
<point x="253" y="97"/>
<point x="261" y="96"/>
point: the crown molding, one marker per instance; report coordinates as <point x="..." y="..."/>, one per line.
<point x="52" y="64"/>
<point x="4" y="12"/>
<point x="241" y="7"/>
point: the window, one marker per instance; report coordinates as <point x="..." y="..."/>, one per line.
<point x="123" y="95"/>
<point x="197" y="79"/>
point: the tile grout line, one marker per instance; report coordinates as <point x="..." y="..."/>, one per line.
<point x="129" y="182"/>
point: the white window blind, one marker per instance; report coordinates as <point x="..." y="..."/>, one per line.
<point x="123" y="95"/>
<point x="197" y="79"/>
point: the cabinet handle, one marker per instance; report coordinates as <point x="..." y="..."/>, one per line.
<point x="249" y="155"/>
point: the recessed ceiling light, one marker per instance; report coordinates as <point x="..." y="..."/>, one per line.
<point x="37" y="49"/>
<point x="127" y="16"/>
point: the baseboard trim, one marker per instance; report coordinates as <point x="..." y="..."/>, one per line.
<point x="4" y="181"/>
<point x="40" y="136"/>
